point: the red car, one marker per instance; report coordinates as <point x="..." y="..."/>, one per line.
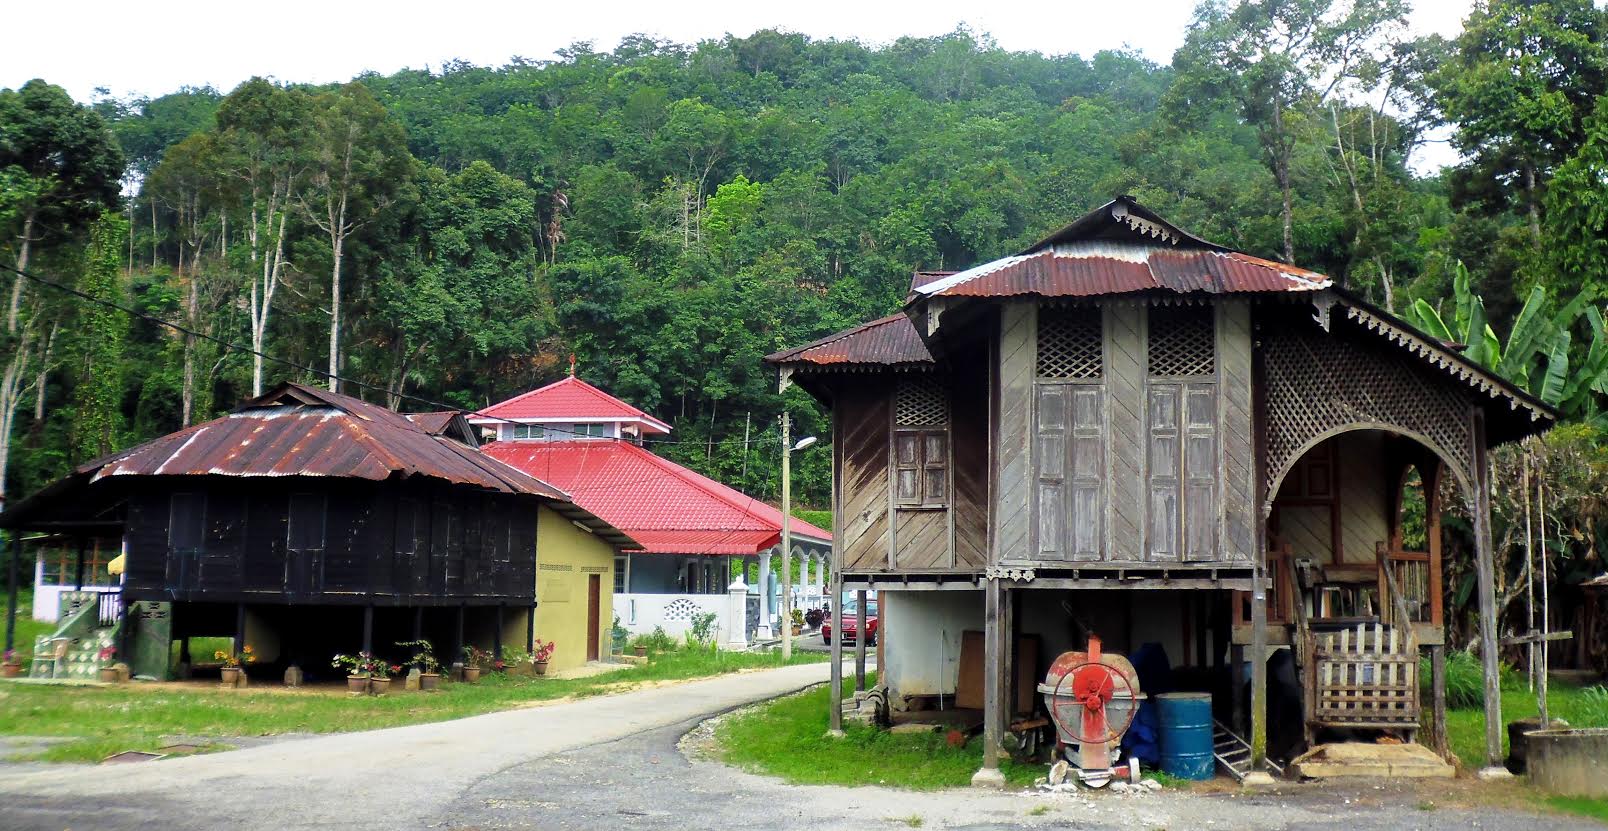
<point x="851" y="623"/>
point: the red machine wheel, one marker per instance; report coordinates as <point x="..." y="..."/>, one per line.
<point x="1092" y="685"/>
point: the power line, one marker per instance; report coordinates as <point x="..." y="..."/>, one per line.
<point x="182" y="329"/>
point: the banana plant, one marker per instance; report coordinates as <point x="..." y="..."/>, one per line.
<point x="1536" y="355"/>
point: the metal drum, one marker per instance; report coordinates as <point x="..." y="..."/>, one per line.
<point x="1186" y="735"/>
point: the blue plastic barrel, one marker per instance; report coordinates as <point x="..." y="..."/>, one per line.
<point x="1186" y="734"/>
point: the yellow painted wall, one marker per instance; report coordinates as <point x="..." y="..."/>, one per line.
<point x="565" y="557"/>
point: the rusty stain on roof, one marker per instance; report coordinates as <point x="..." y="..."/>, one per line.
<point x="1095" y="268"/>
<point x="301" y="431"/>
<point x="891" y="340"/>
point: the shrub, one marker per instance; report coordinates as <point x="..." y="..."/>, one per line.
<point x="703" y="628"/>
<point x="656" y="641"/>
<point x="619" y="634"/>
<point x="1465" y="679"/>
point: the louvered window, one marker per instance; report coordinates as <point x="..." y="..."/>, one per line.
<point x="921" y="443"/>
<point x="1069" y="343"/>
<point x="1181" y="413"/>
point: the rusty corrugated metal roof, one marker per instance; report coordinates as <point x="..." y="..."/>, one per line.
<point x="891" y="340"/>
<point x="1101" y="267"/>
<point x="922" y="278"/>
<point x="301" y="431"/>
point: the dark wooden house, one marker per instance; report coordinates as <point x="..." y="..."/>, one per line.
<point x="308" y="523"/>
<point x="1130" y="430"/>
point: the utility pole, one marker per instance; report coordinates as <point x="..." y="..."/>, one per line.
<point x="787" y="537"/>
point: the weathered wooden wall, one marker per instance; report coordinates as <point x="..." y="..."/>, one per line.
<point x="862" y="418"/>
<point x="1125" y="379"/>
<point x="1237" y="428"/>
<point x="318" y="541"/>
<point x="968" y="409"/>
<point x="1014" y="514"/>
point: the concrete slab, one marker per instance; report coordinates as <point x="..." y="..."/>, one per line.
<point x="1411" y="761"/>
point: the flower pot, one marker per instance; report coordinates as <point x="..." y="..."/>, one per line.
<point x="10" y="669"/>
<point x="429" y="681"/>
<point x="797" y="630"/>
<point x="357" y="684"/>
<point x="471" y="674"/>
<point x="231" y="676"/>
<point x="641" y="651"/>
<point x="108" y="675"/>
<point x="379" y="686"/>
<point x="540" y="667"/>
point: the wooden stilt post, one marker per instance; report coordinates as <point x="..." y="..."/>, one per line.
<point x="993" y="687"/>
<point x="496" y="634"/>
<point x="240" y="628"/>
<point x="1480" y="509"/>
<point x="11" y="590"/>
<point x="368" y="629"/>
<point x="457" y="643"/>
<point x="834" y="716"/>
<point x="1437" y="700"/>
<point x="530" y="630"/>
<point x="78" y="570"/>
<point x="859" y="643"/>
<point x="1236" y="687"/>
<point x="1258" y="675"/>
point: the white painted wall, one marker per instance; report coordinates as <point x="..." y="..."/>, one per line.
<point x="640" y="613"/>
<point x="921" y="634"/>
<point x="47" y="599"/>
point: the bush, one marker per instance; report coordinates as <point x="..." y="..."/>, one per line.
<point x="703" y="628"/>
<point x="1465" y="679"/>
<point x="656" y="641"/>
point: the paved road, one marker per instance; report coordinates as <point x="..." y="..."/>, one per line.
<point x="613" y="763"/>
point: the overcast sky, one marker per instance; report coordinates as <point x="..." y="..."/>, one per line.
<point x="151" y="49"/>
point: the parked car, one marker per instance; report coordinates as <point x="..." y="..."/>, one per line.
<point x="851" y="623"/>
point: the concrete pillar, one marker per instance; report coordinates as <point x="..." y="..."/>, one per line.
<point x="764" y="632"/>
<point x="737" y="615"/>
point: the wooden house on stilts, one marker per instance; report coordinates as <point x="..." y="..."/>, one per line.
<point x="1131" y="431"/>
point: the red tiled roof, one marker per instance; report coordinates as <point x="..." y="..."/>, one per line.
<point x="570" y="398"/>
<point x="660" y="504"/>
<point x="890" y="340"/>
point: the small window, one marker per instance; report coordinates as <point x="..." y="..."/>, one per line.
<point x="305" y="531"/>
<point x="187" y="522"/>
<point x="529" y="431"/>
<point x="1182" y="342"/>
<point x="921" y="443"/>
<point x="619" y="574"/>
<point x="593" y="431"/>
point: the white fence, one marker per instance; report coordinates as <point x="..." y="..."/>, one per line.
<point x="640" y="613"/>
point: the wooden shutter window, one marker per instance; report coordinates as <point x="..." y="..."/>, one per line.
<point x="921" y="443"/>
<point x="1181" y="413"/>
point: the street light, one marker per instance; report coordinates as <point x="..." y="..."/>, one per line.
<point x="787" y="530"/>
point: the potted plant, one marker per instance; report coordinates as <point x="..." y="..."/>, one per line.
<point x="798" y="621"/>
<point x="539" y="658"/>
<point x="515" y="660"/>
<point x="639" y="649"/>
<point x="10" y="665"/>
<point x="424" y="658"/>
<point x="108" y="674"/>
<point x="474" y="660"/>
<point x="234" y="664"/>
<point x="380" y="676"/>
<point x="618" y="635"/>
<point x="357" y="671"/>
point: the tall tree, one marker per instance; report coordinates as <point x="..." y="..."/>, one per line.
<point x="98" y="391"/>
<point x="1278" y="61"/>
<point x="60" y="168"/>
<point x="359" y="158"/>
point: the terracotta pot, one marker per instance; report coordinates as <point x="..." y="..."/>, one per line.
<point x="358" y="684"/>
<point x="541" y="667"/>
<point x="10" y="669"/>
<point x="641" y="651"/>
<point x="429" y="681"/>
<point x="231" y="676"/>
<point x="471" y="674"/>
<point x="108" y="675"/>
<point x="379" y="686"/>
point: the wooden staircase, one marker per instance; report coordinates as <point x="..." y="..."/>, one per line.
<point x="1234" y="753"/>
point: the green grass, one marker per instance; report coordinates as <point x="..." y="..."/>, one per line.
<point x="28" y="629"/>
<point x="1580" y="706"/>
<point x="786" y="738"/>
<point x="106" y="720"/>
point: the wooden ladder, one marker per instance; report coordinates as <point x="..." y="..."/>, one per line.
<point x="1234" y="753"/>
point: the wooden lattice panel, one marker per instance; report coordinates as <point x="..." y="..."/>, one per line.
<point x="1366" y="676"/>
<point x="1317" y="383"/>
<point x="921" y="402"/>
<point x="1182" y="341"/>
<point x="1069" y="343"/>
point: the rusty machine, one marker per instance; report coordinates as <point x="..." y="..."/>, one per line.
<point x="1093" y="697"/>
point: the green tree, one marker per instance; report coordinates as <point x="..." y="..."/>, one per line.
<point x="98" y="390"/>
